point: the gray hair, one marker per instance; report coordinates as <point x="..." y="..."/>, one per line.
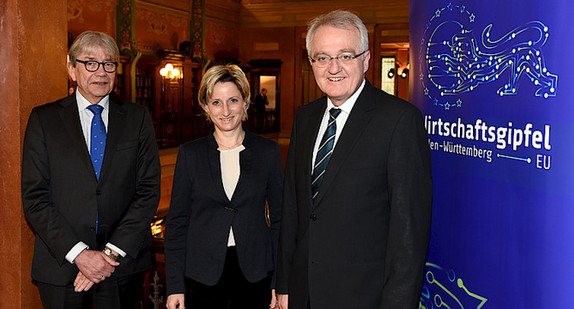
<point x="89" y="41"/>
<point x="339" y="19"/>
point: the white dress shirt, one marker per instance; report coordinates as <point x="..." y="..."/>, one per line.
<point x="86" y="117"/>
<point x="346" y="108"/>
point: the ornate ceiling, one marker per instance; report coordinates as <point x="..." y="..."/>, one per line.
<point x="276" y="13"/>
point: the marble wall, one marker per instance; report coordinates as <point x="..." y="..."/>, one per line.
<point x="32" y="72"/>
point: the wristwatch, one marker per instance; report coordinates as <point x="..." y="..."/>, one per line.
<point x="110" y="254"/>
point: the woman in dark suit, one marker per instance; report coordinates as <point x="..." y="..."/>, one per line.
<point x="220" y="245"/>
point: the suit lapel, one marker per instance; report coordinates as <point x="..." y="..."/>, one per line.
<point x="70" y="118"/>
<point x="214" y="160"/>
<point x="354" y="128"/>
<point x="245" y="167"/>
<point x="116" y="123"/>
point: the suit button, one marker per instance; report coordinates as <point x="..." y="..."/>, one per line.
<point x="313" y="217"/>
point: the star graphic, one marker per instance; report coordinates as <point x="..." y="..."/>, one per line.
<point x="437" y="13"/>
<point x="446" y="106"/>
<point x="459" y="103"/>
<point x="472" y="17"/>
<point x="426" y="91"/>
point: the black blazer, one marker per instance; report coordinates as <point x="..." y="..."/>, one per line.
<point x="61" y="195"/>
<point x="200" y="213"/>
<point x="363" y="243"/>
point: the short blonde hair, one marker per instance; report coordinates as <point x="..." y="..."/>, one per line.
<point x="90" y="40"/>
<point x="222" y="74"/>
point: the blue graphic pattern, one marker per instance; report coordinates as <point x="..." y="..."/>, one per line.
<point x="456" y="61"/>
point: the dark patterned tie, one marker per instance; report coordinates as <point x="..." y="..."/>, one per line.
<point x="97" y="139"/>
<point x="324" y="152"/>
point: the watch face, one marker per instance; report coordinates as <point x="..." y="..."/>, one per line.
<point x="108" y="252"/>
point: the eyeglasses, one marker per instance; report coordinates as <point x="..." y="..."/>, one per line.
<point x="93" y="66"/>
<point x="343" y="58"/>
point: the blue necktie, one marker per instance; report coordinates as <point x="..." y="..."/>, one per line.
<point x="324" y="152"/>
<point x="97" y="139"/>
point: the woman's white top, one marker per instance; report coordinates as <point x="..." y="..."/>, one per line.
<point x="230" y="176"/>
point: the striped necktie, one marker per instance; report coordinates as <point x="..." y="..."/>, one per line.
<point x="97" y="138"/>
<point x="324" y="152"/>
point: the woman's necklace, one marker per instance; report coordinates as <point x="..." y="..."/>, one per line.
<point x="225" y="147"/>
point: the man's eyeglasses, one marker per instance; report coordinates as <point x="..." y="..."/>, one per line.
<point x="93" y="66"/>
<point x="343" y="58"/>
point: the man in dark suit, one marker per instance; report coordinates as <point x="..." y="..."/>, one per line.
<point x="261" y="101"/>
<point x="90" y="186"/>
<point x="358" y="189"/>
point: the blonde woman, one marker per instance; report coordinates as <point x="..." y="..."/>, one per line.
<point x="220" y="246"/>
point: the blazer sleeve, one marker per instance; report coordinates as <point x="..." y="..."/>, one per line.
<point x="410" y="193"/>
<point x="274" y="198"/>
<point x="177" y="224"/>
<point x="131" y="231"/>
<point x="39" y="209"/>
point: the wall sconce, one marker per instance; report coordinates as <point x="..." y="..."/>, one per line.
<point x="391" y="73"/>
<point x="405" y="73"/>
<point x="170" y="72"/>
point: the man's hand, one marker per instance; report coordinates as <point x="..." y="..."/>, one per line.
<point x="82" y="283"/>
<point x="282" y="299"/>
<point x="175" y="301"/>
<point x="95" y="265"/>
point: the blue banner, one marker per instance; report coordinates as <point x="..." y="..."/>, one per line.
<point x="495" y="82"/>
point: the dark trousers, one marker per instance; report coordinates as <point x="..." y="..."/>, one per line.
<point x="112" y="293"/>
<point x="232" y="291"/>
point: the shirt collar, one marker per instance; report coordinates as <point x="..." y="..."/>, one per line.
<point x="347" y="106"/>
<point x="83" y="103"/>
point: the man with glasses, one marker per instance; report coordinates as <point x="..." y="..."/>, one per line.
<point x="358" y="189"/>
<point x="90" y="186"/>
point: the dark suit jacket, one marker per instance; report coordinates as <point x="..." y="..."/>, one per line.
<point x="363" y="243"/>
<point x="200" y="213"/>
<point x="260" y="102"/>
<point x="61" y="195"/>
